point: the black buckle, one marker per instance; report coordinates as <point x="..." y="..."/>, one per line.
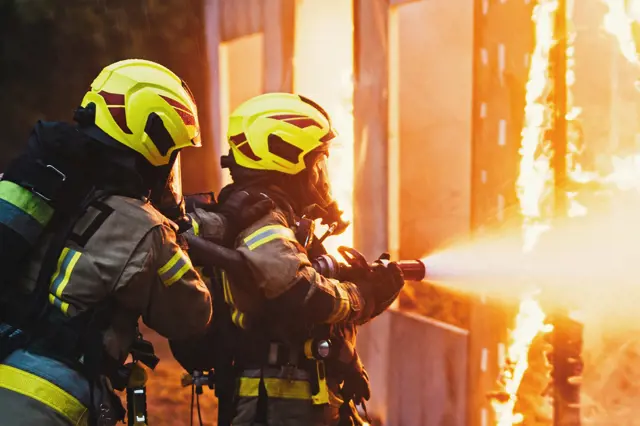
<point x="143" y="351"/>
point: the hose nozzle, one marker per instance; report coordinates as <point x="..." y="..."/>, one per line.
<point x="328" y="266"/>
<point x="413" y="270"/>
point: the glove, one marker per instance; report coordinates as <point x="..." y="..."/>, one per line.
<point x="205" y="201"/>
<point x="382" y="285"/>
<point x="346" y="364"/>
<point x="241" y="210"/>
<point x="184" y="224"/>
<point x="356" y="385"/>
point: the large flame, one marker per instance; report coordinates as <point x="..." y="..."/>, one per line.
<point x="534" y="189"/>
<point x="536" y="175"/>
<point x="323" y="72"/>
<point x="618" y="22"/>
<point x="529" y="322"/>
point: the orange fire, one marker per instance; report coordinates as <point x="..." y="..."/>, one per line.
<point x="529" y="322"/>
<point x="618" y="21"/>
<point x="323" y="72"/>
<point x="534" y="183"/>
<point x="535" y="190"/>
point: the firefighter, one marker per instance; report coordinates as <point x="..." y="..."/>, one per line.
<point x="108" y="257"/>
<point x="293" y="331"/>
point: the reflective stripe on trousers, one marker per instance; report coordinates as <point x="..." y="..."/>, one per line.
<point x="48" y="381"/>
<point x="279" y="383"/>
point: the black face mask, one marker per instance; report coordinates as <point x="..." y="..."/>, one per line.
<point x="167" y="196"/>
<point x="318" y="199"/>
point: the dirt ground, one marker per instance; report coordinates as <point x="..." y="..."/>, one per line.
<point x="167" y="401"/>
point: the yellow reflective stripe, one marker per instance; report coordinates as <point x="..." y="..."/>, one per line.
<point x="41" y="390"/>
<point x="195" y="226"/>
<point x="238" y="318"/>
<point x="67" y="274"/>
<point x="178" y="275"/>
<point x="59" y="280"/>
<point x="226" y="286"/>
<point x="64" y="253"/>
<point x="170" y="263"/>
<point x="276" y="388"/>
<point x="26" y="201"/>
<point x="267" y="234"/>
<point x="175" y="268"/>
<point x="58" y="303"/>
<point x="261" y="230"/>
<point x="341" y="311"/>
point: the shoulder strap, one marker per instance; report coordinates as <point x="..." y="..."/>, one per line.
<point x="39" y="307"/>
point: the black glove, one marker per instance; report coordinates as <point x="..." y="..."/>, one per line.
<point x="184" y="224"/>
<point x="241" y="210"/>
<point x="382" y="285"/>
<point x="205" y="201"/>
<point x="345" y="363"/>
<point x="356" y="386"/>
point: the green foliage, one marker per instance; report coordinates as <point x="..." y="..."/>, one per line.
<point x="50" y="50"/>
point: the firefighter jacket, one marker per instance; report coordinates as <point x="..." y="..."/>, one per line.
<point x="285" y="282"/>
<point x="279" y="311"/>
<point x="122" y="249"/>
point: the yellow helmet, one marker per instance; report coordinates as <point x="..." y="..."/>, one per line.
<point x="144" y="106"/>
<point x="276" y="131"/>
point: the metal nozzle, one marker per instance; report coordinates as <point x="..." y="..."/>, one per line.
<point x="413" y="270"/>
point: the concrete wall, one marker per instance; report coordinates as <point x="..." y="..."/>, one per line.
<point x="418" y="370"/>
<point x="435" y="52"/>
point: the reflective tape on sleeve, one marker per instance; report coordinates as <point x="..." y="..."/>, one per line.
<point x="175" y="268"/>
<point x="59" y="280"/>
<point x="267" y="234"/>
<point x="26" y="201"/>
<point x="17" y="220"/>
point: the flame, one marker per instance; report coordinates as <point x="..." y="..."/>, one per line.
<point x="618" y="22"/>
<point x="536" y="176"/>
<point x="330" y="84"/>
<point x="534" y="189"/>
<point x="529" y="322"/>
<point x="626" y="172"/>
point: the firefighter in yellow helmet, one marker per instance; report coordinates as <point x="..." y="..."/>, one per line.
<point x="286" y="349"/>
<point x="107" y="254"/>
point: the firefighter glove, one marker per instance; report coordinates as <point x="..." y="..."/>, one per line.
<point x="205" y="201"/>
<point x="382" y="286"/>
<point x="356" y="385"/>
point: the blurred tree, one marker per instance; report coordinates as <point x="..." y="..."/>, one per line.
<point x="50" y="50"/>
